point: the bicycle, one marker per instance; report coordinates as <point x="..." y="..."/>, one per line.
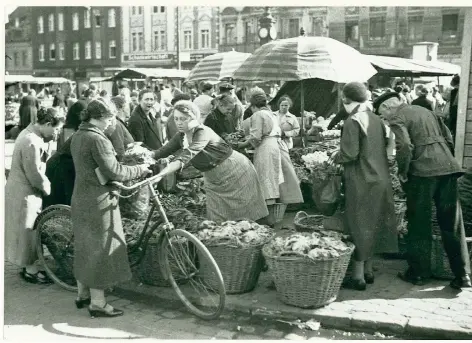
<point x="180" y="252"/>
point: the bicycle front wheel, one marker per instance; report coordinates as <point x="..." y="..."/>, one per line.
<point x="182" y="254"/>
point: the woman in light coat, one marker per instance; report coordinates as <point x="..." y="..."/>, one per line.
<point x="26" y="185"/>
<point x="100" y="253"/>
<point x="288" y="122"/>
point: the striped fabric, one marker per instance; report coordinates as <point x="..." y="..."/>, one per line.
<point x="218" y="66"/>
<point x="233" y="191"/>
<point x="303" y="58"/>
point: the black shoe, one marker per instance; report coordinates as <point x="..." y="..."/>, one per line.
<point x="369" y="278"/>
<point x="80" y="303"/>
<point x="28" y="277"/>
<point x="358" y="285"/>
<point x="97" y="311"/>
<point x="461" y="282"/>
<point x="415" y="280"/>
<point x="43" y="278"/>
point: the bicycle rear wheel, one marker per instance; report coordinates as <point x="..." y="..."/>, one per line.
<point x="181" y="253"/>
<point x="55" y="245"/>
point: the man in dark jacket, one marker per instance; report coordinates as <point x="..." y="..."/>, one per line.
<point x="428" y="172"/>
<point x="422" y="99"/>
<point x="145" y="124"/>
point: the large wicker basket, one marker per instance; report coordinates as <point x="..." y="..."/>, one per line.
<point x="308" y="223"/>
<point x="239" y="266"/>
<point x="307" y="283"/>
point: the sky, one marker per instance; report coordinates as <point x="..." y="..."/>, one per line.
<point x="8" y="10"/>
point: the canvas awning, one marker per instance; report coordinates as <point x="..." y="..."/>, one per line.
<point x="157" y="73"/>
<point x="18" y="78"/>
<point x="397" y="66"/>
<point x="45" y="80"/>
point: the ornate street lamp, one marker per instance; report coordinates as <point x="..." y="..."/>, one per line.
<point x="267" y="31"/>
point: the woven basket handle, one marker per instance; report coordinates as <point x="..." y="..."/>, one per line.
<point x="300" y="215"/>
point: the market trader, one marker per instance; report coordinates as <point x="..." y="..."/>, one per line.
<point x="428" y="172"/>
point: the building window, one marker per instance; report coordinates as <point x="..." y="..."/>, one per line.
<point x="140" y="10"/>
<point x="163" y="9"/>
<point x="40" y="24"/>
<point x="159" y="40"/>
<point x="163" y="40"/>
<point x="87" y="19"/>
<point x="76" y="52"/>
<point x="111" y="18"/>
<point x="415" y="28"/>
<point x="352" y="31"/>
<point x="230" y="33"/>
<point x="248" y="32"/>
<point x="16" y="59"/>
<point x="449" y="25"/>
<point x="155" y="9"/>
<point x="133" y="10"/>
<point x="60" y="21"/>
<point x="52" y="52"/>
<point x="25" y="58"/>
<point x="51" y="22"/>
<point x="41" y="52"/>
<point x="140" y="41"/>
<point x="112" y="49"/>
<point x="134" y="41"/>
<point x="75" y="21"/>
<point x="378" y="9"/>
<point x="205" y="39"/>
<point x="187" y="40"/>
<point x="293" y="27"/>
<point x="377" y="28"/>
<point x="98" y="18"/>
<point x="88" y="50"/>
<point x="62" y="52"/>
<point x="17" y="22"/>
<point x="98" y="50"/>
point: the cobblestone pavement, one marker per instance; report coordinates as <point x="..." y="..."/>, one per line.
<point x="46" y="312"/>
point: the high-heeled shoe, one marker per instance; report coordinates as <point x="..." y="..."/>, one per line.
<point x="97" y="311"/>
<point x="80" y="303"/>
<point x="369" y="278"/>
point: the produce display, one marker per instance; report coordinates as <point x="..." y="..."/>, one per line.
<point x="318" y="164"/>
<point x="243" y="233"/>
<point x="329" y="134"/>
<point x="398" y="192"/>
<point x="235" y="137"/>
<point x="316" y="245"/>
<point x="136" y="154"/>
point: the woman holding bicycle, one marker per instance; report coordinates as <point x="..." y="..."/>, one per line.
<point x="100" y="253"/>
<point x="232" y="186"/>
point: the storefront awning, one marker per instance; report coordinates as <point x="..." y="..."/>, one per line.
<point x="396" y="66"/>
<point x="157" y="73"/>
<point x="55" y="80"/>
<point x="18" y="78"/>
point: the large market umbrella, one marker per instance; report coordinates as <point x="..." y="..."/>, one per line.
<point x="301" y="58"/>
<point x="218" y="66"/>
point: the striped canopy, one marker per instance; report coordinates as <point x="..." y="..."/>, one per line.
<point x="218" y="66"/>
<point x="303" y="58"/>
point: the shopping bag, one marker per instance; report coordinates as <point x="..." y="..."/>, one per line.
<point x="327" y="196"/>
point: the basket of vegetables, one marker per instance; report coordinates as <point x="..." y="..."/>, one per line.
<point x="149" y="269"/>
<point x="236" y="248"/>
<point x="308" y="223"/>
<point x="308" y="268"/>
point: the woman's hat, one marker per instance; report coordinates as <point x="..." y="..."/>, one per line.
<point x="356" y="91"/>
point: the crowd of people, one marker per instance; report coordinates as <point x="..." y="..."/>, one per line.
<point x="195" y="127"/>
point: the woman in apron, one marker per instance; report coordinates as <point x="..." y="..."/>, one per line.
<point x="271" y="158"/>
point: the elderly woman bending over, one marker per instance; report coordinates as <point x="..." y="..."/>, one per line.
<point x="233" y="191"/>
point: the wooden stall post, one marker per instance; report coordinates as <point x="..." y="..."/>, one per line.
<point x="302" y="113"/>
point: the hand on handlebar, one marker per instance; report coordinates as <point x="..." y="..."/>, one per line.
<point x="145" y="169"/>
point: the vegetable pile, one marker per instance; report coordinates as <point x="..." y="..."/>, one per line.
<point x="242" y="233"/>
<point x="235" y="137"/>
<point x="318" y="165"/>
<point x="316" y="245"/>
<point x="136" y="154"/>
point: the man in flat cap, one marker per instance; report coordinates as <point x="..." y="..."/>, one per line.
<point x="428" y="172"/>
<point x="238" y="110"/>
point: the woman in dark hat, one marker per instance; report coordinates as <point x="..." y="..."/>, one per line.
<point x="370" y="211"/>
<point x="271" y="156"/>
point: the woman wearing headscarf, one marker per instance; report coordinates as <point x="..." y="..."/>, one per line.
<point x="289" y="125"/>
<point x="28" y="111"/>
<point x="26" y="185"/>
<point x="370" y="212"/>
<point x="233" y="191"/>
<point x="271" y="158"/>
<point x="100" y="253"/>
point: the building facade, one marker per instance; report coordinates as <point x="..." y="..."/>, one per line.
<point x="150" y="35"/>
<point x="76" y="42"/>
<point x="388" y="31"/>
<point x="18" y="43"/>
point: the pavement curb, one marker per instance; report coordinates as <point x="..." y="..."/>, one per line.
<point x="329" y="318"/>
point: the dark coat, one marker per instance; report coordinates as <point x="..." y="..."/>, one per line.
<point x="220" y="123"/>
<point x="100" y="253"/>
<point x="120" y="138"/>
<point x="144" y="130"/>
<point x="423" y="102"/>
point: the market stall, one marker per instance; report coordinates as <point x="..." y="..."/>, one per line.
<point x="151" y="74"/>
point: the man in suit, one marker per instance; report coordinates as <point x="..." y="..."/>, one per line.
<point x="145" y="124"/>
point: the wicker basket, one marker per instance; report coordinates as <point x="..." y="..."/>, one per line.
<point x="239" y="266"/>
<point x="307" y="283"/>
<point x="439" y="262"/>
<point x="308" y="223"/>
<point x="149" y="270"/>
<point x="278" y="211"/>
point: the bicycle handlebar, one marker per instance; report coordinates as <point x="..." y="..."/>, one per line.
<point x="150" y="180"/>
